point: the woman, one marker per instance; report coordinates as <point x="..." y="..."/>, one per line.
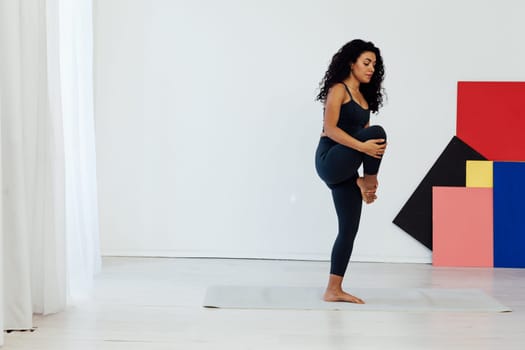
<point x="350" y="90"/>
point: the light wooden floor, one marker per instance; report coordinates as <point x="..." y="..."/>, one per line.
<point x="156" y="304"/>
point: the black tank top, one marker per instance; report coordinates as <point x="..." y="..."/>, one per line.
<point x="352" y="117"/>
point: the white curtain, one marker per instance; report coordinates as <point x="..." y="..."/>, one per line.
<point x="76" y="69"/>
<point x="49" y="224"/>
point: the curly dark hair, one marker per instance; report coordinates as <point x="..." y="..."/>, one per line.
<point x="339" y="70"/>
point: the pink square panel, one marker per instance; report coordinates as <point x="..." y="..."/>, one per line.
<point x="462" y="224"/>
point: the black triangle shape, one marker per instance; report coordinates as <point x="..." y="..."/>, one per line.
<point x="415" y="217"/>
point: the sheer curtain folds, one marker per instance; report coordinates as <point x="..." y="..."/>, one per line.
<point x="49" y="225"/>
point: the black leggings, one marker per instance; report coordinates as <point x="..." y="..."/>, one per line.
<point x="337" y="166"/>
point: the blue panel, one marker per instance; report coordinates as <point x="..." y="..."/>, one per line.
<point x="509" y="214"/>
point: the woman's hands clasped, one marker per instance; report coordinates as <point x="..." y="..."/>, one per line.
<point x="374" y="147"/>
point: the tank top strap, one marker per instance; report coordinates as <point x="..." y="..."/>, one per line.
<point x="348" y="90"/>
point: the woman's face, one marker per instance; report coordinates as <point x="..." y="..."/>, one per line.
<point x="364" y="67"/>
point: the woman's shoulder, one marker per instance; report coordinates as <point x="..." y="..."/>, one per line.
<point x="339" y="92"/>
<point x="337" y="89"/>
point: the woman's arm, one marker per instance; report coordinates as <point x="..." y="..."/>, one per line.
<point x="334" y="100"/>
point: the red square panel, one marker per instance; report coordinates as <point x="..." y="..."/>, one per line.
<point x="491" y="118"/>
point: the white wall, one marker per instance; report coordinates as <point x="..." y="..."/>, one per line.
<point x="207" y="126"/>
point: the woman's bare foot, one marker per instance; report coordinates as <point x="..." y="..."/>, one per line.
<point x="331" y="295"/>
<point x="368" y="192"/>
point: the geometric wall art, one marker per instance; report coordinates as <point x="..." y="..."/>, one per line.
<point x="490" y="121"/>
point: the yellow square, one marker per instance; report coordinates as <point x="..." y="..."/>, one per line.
<point x="479" y="173"/>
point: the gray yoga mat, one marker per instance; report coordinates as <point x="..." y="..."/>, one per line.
<point x="377" y="299"/>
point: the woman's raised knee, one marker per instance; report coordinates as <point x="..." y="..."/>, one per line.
<point x="377" y="132"/>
